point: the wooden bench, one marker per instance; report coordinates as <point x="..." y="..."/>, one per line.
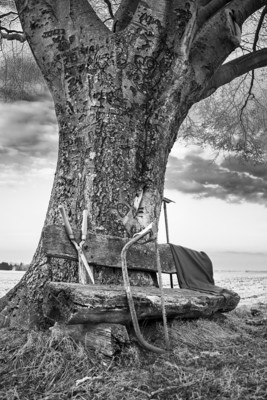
<point x="98" y="315"/>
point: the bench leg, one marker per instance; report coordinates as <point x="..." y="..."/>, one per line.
<point x="171" y="281"/>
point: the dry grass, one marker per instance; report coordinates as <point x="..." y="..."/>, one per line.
<point x="223" y="358"/>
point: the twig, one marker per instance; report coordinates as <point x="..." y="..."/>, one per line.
<point x="7" y="14"/>
<point x="171" y="388"/>
<point x="108" y="3"/>
<point x="107" y="19"/>
<point x="10" y="30"/>
<point x="142" y="392"/>
<point x="250" y="94"/>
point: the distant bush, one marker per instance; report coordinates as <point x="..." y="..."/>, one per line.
<point x="20" y="267"/>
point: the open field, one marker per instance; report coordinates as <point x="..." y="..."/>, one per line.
<point x="250" y="285"/>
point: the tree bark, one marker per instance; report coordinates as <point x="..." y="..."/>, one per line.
<point x="119" y="99"/>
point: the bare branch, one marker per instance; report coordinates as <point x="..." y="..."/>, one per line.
<point x="209" y="10"/>
<point x="235" y="68"/>
<point x="248" y="97"/>
<point x="7" y="14"/>
<point x="108" y="3"/>
<point x="12" y="35"/>
<point x="243" y="9"/>
<point x="257" y="33"/>
<point x="250" y="94"/>
<point x="10" y="30"/>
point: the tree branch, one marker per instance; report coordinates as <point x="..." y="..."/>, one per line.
<point x="209" y="10"/>
<point x="257" y="33"/>
<point x="108" y="3"/>
<point x="48" y="15"/>
<point x="12" y="35"/>
<point x="248" y="97"/>
<point x="250" y="94"/>
<point x="10" y="30"/>
<point x="235" y="68"/>
<point x="85" y="17"/>
<point x="223" y="33"/>
<point x="55" y="28"/>
<point x="243" y="9"/>
<point x="7" y="14"/>
<point x="124" y="14"/>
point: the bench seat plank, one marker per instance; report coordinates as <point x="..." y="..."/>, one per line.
<point x="72" y="303"/>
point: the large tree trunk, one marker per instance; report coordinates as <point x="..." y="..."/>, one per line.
<point x="119" y="99"/>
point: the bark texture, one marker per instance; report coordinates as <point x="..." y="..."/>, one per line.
<point x="120" y="98"/>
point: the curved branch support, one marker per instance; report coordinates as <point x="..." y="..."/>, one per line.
<point x="148" y="230"/>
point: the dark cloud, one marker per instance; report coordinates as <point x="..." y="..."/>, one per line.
<point x="231" y="180"/>
<point x="235" y="164"/>
<point x="28" y="145"/>
<point x="28" y="142"/>
<point x="28" y="137"/>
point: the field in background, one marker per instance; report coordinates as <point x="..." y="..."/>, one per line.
<point x="250" y="285"/>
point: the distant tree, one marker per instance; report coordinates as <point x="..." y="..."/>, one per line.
<point x="4" y="266"/>
<point x="20" y="76"/>
<point x="121" y="95"/>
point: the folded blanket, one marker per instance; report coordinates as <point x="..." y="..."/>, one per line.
<point x="194" y="270"/>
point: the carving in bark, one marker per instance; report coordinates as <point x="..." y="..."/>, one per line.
<point x="120" y="98"/>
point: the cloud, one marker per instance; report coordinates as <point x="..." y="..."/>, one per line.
<point x="28" y="139"/>
<point x="28" y="148"/>
<point x="230" y="179"/>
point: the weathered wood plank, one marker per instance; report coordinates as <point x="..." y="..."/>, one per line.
<point x="105" y="250"/>
<point x="79" y="304"/>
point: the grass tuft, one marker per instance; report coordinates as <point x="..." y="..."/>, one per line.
<point x="221" y="358"/>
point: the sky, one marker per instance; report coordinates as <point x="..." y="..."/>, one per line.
<point x="220" y="205"/>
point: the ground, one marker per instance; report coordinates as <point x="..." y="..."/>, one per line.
<point x="220" y="358"/>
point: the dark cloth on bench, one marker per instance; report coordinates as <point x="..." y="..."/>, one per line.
<point x="194" y="270"/>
